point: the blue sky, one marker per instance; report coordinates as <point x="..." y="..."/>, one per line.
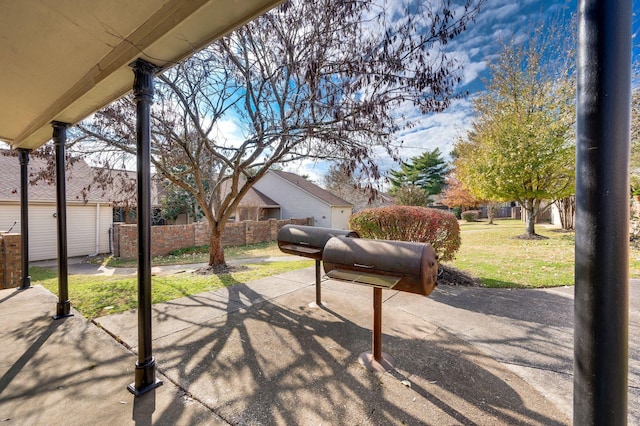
<point x="498" y="19"/>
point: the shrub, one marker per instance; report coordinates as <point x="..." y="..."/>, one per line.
<point x="457" y="211"/>
<point x="407" y="223"/>
<point x="470" y="215"/>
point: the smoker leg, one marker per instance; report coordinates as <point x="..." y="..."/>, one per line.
<point x="318" y="301"/>
<point x="376" y="360"/>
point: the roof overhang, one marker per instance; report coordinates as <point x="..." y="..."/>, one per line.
<point x="62" y="60"/>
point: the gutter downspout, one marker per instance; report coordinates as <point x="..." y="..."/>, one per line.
<point x="97" y="231"/>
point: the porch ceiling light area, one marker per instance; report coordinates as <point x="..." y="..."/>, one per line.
<point x="65" y="59"/>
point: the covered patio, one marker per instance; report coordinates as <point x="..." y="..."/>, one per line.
<point x="66" y="59"/>
<point x="63" y="60"/>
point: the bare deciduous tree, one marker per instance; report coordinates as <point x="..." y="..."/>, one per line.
<point x="318" y="79"/>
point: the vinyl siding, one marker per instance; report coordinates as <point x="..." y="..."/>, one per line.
<point x="340" y="217"/>
<point x="81" y="228"/>
<point x="294" y="203"/>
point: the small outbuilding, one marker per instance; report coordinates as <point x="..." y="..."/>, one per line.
<point x="298" y="197"/>
<point x="89" y="212"/>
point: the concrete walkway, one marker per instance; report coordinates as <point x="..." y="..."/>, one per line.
<point x="81" y="266"/>
<point x="257" y="353"/>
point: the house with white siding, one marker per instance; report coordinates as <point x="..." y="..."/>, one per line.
<point x="89" y="212"/>
<point x="298" y="198"/>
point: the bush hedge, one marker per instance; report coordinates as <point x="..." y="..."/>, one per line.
<point x="457" y="211"/>
<point x="470" y="215"/>
<point x="408" y="223"/>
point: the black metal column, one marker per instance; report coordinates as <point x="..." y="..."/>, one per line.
<point x="145" y="375"/>
<point x="63" y="307"/>
<point x="602" y="215"/>
<point x="23" y="156"/>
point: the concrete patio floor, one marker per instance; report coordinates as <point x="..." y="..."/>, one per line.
<point x="257" y="353"/>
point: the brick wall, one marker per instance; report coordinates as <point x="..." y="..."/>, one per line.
<point x="233" y="234"/>
<point x="165" y="239"/>
<point x="10" y="260"/>
<point x="201" y="233"/>
<point x="125" y="241"/>
<point x="259" y="231"/>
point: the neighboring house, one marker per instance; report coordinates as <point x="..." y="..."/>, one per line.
<point x="123" y="193"/>
<point x="253" y="206"/>
<point x="382" y="200"/>
<point x="89" y="212"/>
<point x="298" y="198"/>
<point x="361" y="197"/>
<point x="555" y="215"/>
<point x="257" y="206"/>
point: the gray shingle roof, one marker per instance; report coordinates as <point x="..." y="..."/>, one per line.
<point x="79" y="181"/>
<point x="253" y="197"/>
<point x="256" y="198"/>
<point x="313" y="189"/>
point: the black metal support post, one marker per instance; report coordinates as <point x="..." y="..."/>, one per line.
<point x="602" y="215"/>
<point x="23" y="156"/>
<point x="63" y="306"/>
<point x="145" y="374"/>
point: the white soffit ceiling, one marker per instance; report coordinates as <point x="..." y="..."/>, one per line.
<point x="61" y="60"/>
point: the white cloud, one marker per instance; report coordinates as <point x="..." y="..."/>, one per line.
<point x="505" y="11"/>
<point x="312" y="169"/>
<point x="226" y="131"/>
<point x="437" y="130"/>
<point x="474" y="48"/>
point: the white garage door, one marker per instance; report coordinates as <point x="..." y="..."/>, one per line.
<point x="81" y="228"/>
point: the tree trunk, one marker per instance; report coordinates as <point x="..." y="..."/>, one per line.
<point x="567" y="208"/>
<point x="492" y="209"/>
<point x="490" y="215"/>
<point x="216" y="252"/>
<point x="529" y="207"/>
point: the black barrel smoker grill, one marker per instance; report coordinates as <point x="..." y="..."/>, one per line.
<point x="309" y="241"/>
<point x="381" y="264"/>
<point x="398" y="265"/>
<point x="394" y="265"/>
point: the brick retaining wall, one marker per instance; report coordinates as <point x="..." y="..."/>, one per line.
<point x="10" y="260"/>
<point x="165" y="239"/>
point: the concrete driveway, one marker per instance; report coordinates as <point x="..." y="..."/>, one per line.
<point x="528" y="331"/>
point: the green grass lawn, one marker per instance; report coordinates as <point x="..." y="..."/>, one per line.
<point x="489" y="252"/>
<point x="493" y="254"/>
<point x="201" y="255"/>
<point x="96" y="296"/>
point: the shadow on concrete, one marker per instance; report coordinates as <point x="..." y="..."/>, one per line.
<point x="535" y="306"/>
<point x="281" y="362"/>
<point x="143" y="408"/>
<point x="38" y="334"/>
<point x="9" y="296"/>
<point x="51" y="370"/>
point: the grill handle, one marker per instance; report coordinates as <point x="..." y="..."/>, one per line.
<point x="358" y="265"/>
